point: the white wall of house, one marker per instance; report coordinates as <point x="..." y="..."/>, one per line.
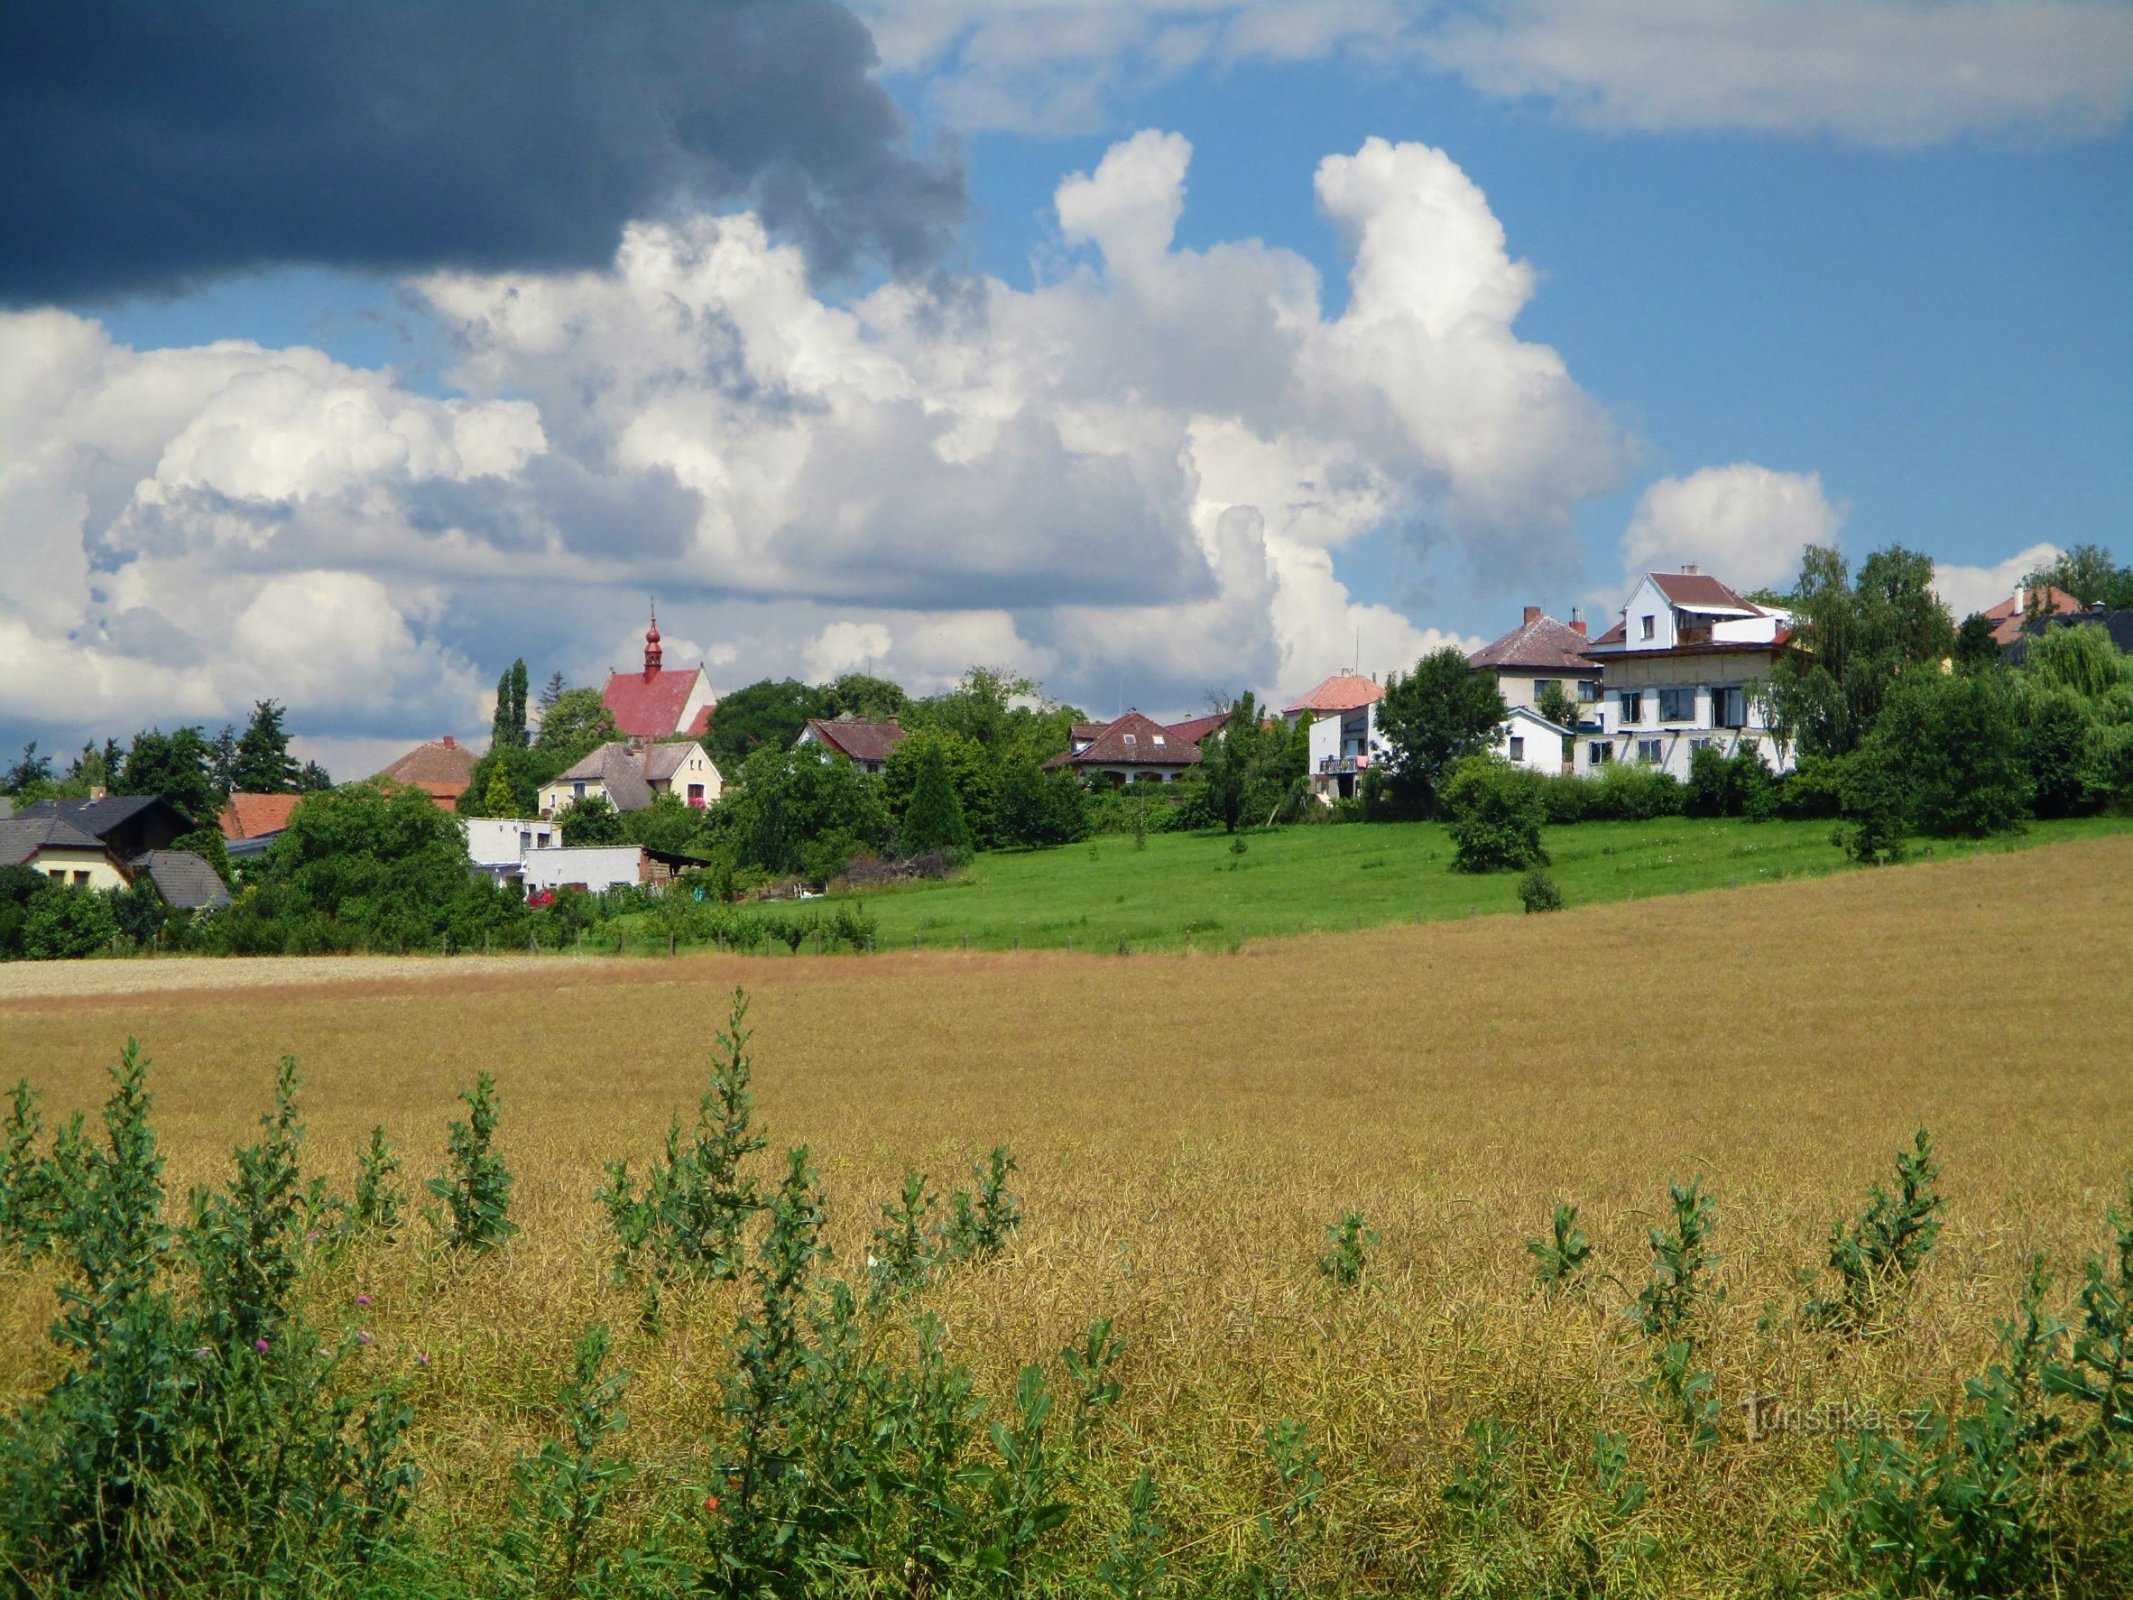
<point x="591" y="867"/>
<point x="504" y="841"/>
<point x="1344" y="745"/>
<point x="1527" y="739"/>
<point x="1650" y="622"/>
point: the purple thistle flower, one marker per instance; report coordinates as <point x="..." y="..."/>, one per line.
<point x="362" y="1299"/>
<point x="363" y="1336"/>
<point x="260" y="1345"/>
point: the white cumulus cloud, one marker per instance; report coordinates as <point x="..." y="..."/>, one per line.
<point x="1138" y="470"/>
<point x="1744" y="524"/>
<point x="1964" y="590"/>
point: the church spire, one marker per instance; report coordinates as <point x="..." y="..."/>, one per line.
<point x="651" y="644"/>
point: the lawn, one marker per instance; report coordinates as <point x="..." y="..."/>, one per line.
<point x="1187" y="1129"/>
<point x="1106" y="893"/>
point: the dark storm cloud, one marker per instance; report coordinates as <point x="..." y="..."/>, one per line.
<point x="146" y="146"/>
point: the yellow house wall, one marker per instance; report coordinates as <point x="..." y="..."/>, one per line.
<point x="63" y="864"/>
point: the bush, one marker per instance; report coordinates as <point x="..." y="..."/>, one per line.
<point x="1814" y="790"/>
<point x="1538" y="892"/>
<point x="1494" y="813"/>
<point x="1739" y="785"/>
<point x="67" y="921"/>
<point x="1629" y="791"/>
<point x="1566" y="799"/>
<point x="1950" y="744"/>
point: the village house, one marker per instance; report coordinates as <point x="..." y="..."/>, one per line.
<point x="1527" y="739"/>
<point x="2026" y="610"/>
<point x="61" y="851"/>
<point x="658" y="703"/>
<point x="498" y="846"/>
<point x="1132" y="749"/>
<point x="1679" y="673"/>
<point x="867" y="745"/>
<point x="251" y="822"/>
<point x="440" y="768"/>
<point x="1537" y="654"/>
<point x="112" y="842"/>
<point x="1343" y="713"/>
<point x="627" y="773"/>
<point x="595" y="869"/>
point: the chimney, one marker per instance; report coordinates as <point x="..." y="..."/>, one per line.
<point x="2021" y="596"/>
<point x="1533" y="614"/>
<point x="449" y="744"/>
<point x="1689" y="569"/>
<point x="1577" y="621"/>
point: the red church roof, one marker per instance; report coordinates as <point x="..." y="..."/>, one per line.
<point x="647" y="705"/>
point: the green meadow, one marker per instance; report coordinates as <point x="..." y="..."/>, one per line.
<point x="1108" y="892"/>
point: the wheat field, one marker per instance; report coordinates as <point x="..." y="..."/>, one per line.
<point x="1188" y="1125"/>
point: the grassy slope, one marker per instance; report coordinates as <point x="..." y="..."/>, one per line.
<point x="1316" y="879"/>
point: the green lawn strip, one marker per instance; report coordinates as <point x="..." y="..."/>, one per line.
<point x="1317" y="879"/>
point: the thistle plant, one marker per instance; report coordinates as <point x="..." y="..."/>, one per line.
<point x="1134" y="1568"/>
<point x="376" y="1208"/>
<point x="1875" y="1255"/>
<point x="1348" y="1246"/>
<point x="687" y="1221"/>
<point x="28" y="1199"/>
<point x="1668" y="1308"/>
<point x="559" y="1495"/>
<point x="1559" y="1260"/>
<point x="476" y="1190"/>
<point x="978" y="1229"/>
<point x="2099" y="1372"/>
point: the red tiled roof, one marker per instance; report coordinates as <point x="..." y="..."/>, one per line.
<point x="1542" y="645"/>
<point x="1132" y="741"/>
<point x="861" y="740"/>
<point x="442" y="769"/>
<point x="648" y="705"/>
<point x="1344" y="691"/>
<point x="1614" y="635"/>
<point x="1083" y="732"/>
<point x="1692" y="591"/>
<point x="253" y="816"/>
<point x="2009" y="616"/>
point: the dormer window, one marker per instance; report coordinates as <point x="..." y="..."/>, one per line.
<point x="1158" y="740"/>
<point x="1131" y="741"/>
<point x="1649" y="624"/>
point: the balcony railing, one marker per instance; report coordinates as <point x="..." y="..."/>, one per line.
<point x="1328" y="765"/>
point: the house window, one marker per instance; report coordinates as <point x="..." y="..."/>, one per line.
<point x="1588" y="691"/>
<point x="1132" y="741"/>
<point x="1649" y="751"/>
<point x="1729" y="708"/>
<point x="1518" y="747"/>
<point x="1542" y="685"/>
<point x="1677" y="705"/>
<point x="1647" y="623"/>
<point x="1601" y="751"/>
<point x="1699" y="744"/>
<point x="81" y="880"/>
<point x="1159" y="741"/>
<point x="577" y="791"/>
<point x="1632" y="706"/>
<point x="696" y="795"/>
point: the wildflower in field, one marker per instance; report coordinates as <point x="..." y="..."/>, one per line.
<point x="260" y="1345"/>
<point x="421" y="1358"/>
<point x="362" y="1299"/>
<point x="202" y="1353"/>
<point x="363" y="1336"/>
<point x="710" y="1502"/>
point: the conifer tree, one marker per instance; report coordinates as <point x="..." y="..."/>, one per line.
<point x="934" y="820"/>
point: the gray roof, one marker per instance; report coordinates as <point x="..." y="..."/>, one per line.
<point x="96" y="816"/>
<point x="615" y="765"/>
<point x="22" y="837"/>
<point x="184" y="880"/>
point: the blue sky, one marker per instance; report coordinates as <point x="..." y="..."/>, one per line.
<point x="1900" y="301"/>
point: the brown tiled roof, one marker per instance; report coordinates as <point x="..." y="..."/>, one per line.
<point x="1614" y="635"/>
<point x="1132" y="741"/>
<point x="858" y="738"/>
<point x="253" y="816"/>
<point x="1196" y="729"/>
<point x="620" y="768"/>
<point x="1083" y="732"/>
<point x="1692" y="591"/>
<point x="1344" y="691"/>
<point x="442" y="768"/>
<point x="2008" y="616"/>
<point x="1542" y="645"/>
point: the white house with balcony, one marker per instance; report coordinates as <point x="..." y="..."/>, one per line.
<point x="1344" y="733"/>
<point x="1679" y="671"/>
